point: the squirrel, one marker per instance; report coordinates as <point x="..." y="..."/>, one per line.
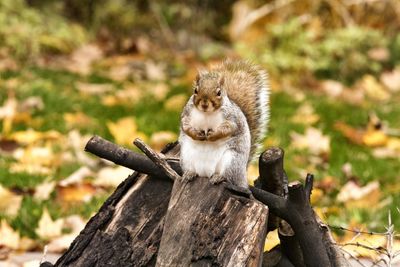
<point x="223" y="122"/>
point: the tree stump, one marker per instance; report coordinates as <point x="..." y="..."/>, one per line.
<point x="207" y="225"/>
<point x="200" y="225"/>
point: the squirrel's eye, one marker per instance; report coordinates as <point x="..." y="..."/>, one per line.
<point x="219" y="92"/>
<point x="195" y="90"/>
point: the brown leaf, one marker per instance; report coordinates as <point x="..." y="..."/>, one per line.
<point x="78" y="120"/>
<point x="82" y="192"/>
<point x="353" y="134"/>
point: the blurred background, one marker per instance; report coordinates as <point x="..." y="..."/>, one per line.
<point x="122" y="69"/>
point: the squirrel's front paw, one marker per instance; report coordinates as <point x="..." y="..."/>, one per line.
<point x="217" y="179"/>
<point x="188" y="176"/>
<point x="201" y="135"/>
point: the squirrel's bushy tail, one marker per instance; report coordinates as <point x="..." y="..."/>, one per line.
<point x="247" y="86"/>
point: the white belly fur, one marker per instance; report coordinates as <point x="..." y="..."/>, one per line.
<point x="205" y="158"/>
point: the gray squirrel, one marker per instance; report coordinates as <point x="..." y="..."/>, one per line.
<point x="223" y="122"/>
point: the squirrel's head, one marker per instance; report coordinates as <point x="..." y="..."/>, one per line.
<point x="208" y="91"/>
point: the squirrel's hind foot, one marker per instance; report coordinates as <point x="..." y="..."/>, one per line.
<point x="217" y="178"/>
<point x="188" y="176"/>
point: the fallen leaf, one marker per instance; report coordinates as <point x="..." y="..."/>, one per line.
<point x="111" y="176"/>
<point x="62" y="243"/>
<point x="332" y="88"/>
<point x="48" y="228"/>
<point x="81" y="59"/>
<point x="82" y="192"/>
<point x="125" y="131"/>
<point x="43" y="190"/>
<point x="313" y="140"/>
<point x="391" y="80"/>
<point x="94" y="88"/>
<point x="379" y="54"/>
<point x="252" y="173"/>
<point x="76" y="177"/>
<point x="9" y="237"/>
<point x="176" y="102"/>
<point x="375" y="138"/>
<point x="30" y="136"/>
<point x="373" y="88"/>
<point x="160" y="91"/>
<point x="155" y="71"/>
<point x="359" y="244"/>
<point x="353" y="134"/>
<point x="390" y="150"/>
<point x="158" y="140"/>
<point x="272" y="240"/>
<point x="355" y="196"/>
<point x="305" y="115"/>
<point x="9" y="202"/>
<point x="78" y="120"/>
<point x="77" y="142"/>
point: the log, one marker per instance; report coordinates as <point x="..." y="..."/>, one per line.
<point x="207" y="225"/>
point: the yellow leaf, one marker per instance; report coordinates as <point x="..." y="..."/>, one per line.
<point x="30" y="136"/>
<point x="8" y="237"/>
<point x="316" y="196"/>
<point x="176" y="102"/>
<point x="125" y="131"/>
<point x="9" y="202"/>
<point x="112" y="176"/>
<point x="373" y="88"/>
<point x="374" y="138"/>
<point x="159" y="139"/>
<point x="272" y="240"/>
<point x="49" y="228"/>
<point x="305" y="115"/>
<point x="252" y="173"/>
<point x="355" y="196"/>
<point x="77" y="120"/>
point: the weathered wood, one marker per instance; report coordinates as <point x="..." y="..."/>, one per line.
<point x="127" y="229"/>
<point x="272" y="178"/>
<point x="207" y="225"/>
<point x="157" y="159"/>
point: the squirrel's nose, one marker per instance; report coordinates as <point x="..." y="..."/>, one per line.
<point x="204" y="104"/>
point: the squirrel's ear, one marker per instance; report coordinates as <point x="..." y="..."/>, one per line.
<point x="200" y="73"/>
<point x="221" y="81"/>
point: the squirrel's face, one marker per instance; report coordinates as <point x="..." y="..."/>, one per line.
<point x="208" y="91"/>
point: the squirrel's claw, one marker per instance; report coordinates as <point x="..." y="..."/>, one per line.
<point x="188" y="176"/>
<point x="217" y="179"/>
